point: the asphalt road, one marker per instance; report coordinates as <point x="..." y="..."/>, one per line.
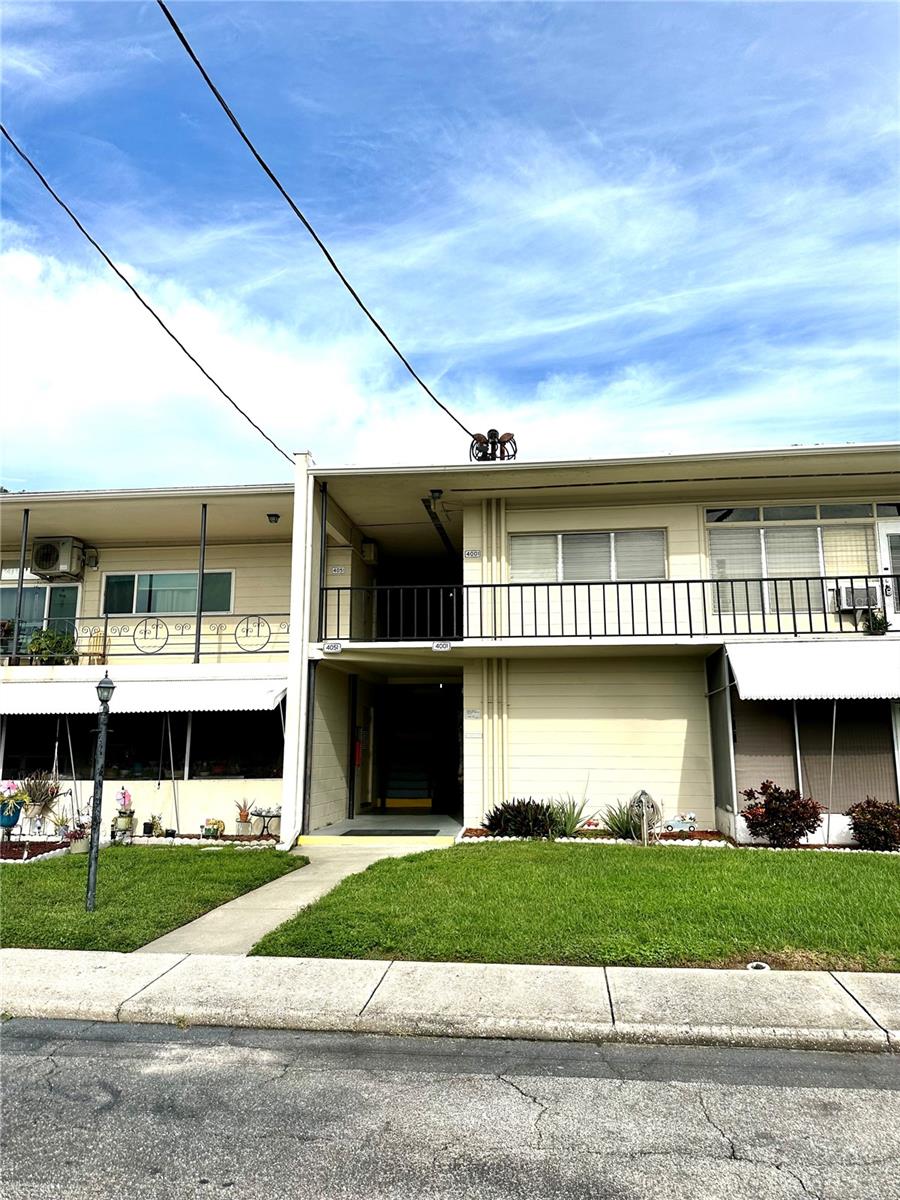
<point x="124" y="1111"/>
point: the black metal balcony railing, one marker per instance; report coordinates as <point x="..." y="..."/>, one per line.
<point x="651" y="608"/>
<point x="60" y="641"/>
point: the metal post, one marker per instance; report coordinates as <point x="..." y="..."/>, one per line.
<point x="99" y="765"/>
<point x="200" y="570"/>
<point x="20" y="583"/>
<point x="310" y="723"/>
<point x="353" y="704"/>
<point x="323" y="542"/>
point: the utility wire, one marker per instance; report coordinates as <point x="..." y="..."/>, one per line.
<point x="109" y="262"/>
<point x="299" y="215"/>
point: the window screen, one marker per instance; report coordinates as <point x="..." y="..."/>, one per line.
<point x="640" y="554"/>
<point x="586" y="556"/>
<point x="849" y="549"/>
<point x="533" y="558"/>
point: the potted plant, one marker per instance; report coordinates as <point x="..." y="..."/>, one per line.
<point x="78" y="838"/>
<point x="52" y="647"/>
<point x="875" y="622"/>
<point x="40" y="791"/>
<point x="125" y="813"/>
<point x="213" y="828"/>
<point x="243" y="818"/>
<point x="60" y="823"/>
<point x="12" y="798"/>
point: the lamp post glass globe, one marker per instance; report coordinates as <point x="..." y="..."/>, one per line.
<point x="105" y="689"/>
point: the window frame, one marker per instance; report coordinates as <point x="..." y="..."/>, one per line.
<point x="48" y="585"/>
<point x="613" y="565"/>
<point x="135" y="572"/>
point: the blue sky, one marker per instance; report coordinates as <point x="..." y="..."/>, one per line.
<point x="613" y="228"/>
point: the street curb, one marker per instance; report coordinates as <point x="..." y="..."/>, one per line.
<point x="800" y="1010"/>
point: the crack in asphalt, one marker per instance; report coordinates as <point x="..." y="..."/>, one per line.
<point x="704" y="1108"/>
<point x="543" y="1108"/>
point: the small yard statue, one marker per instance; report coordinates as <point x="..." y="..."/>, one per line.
<point x="683" y="822"/>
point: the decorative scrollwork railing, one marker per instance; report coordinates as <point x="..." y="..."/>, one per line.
<point x="98" y="639"/>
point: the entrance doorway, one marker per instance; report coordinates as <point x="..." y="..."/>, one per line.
<point x="418" y="732"/>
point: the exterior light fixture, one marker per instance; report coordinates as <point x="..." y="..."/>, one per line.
<point x="105" y="689"/>
<point x="273" y="518"/>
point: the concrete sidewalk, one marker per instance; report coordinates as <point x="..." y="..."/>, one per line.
<point x="236" y="927"/>
<point x="798" y="1009"/>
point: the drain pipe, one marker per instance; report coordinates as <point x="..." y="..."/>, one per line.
<point x="436" y="521"/>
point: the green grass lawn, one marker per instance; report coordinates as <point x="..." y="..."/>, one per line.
<point x="142" y="892"/>
<point x="542" y="903"/>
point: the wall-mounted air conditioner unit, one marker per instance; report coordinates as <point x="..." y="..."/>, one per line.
<point x="853" y="597"/>
<point x="57" y="558"/>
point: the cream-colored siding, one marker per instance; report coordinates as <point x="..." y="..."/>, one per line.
<point x="262" y="573"/>
<point x="597" y="727"/>
<point x="330" y="741"/>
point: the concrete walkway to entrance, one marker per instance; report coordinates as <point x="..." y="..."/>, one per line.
<point x="236" y="927"/>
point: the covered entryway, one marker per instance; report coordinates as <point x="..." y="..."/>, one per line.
<point x="385" y="752"/>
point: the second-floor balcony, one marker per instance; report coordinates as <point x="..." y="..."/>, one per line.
<point x="57" y="641"/>
<point x="595" y="610"/>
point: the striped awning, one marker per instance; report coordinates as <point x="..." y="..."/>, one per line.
<point x="69" y="696"/>
<point x="858" y="669"/>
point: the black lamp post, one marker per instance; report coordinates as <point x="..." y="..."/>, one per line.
<point x="105" y="689"/>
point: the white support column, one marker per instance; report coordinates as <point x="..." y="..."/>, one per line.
<point x="298" y="654"/>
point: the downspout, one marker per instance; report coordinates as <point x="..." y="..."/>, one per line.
<point x="353" y="703"/>
<point x="200" y="571"/>
<point x="485" y="740"/>
<point x="323" y="545"/>
<point x="307" y="755"/>
<point x="439" y="526"/>
<point x="20" y="584"/>
<point x="797" y="749"/>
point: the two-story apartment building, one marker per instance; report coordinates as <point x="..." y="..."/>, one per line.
<point x="416" y="644"/>
<point x="688" y="624"/>
<point x="197" y="718"/>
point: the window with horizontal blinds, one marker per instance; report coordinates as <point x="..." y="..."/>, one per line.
<point x="629" y="554"/>
<point x="640" y="554"/>
<point x="735" y="554"/>
<point x="586" y="556"/>
<point x="533" y="558"/>
<point x="793" y="555"/>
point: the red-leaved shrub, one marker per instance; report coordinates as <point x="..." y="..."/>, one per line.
<point x="780" y="815"/>
<point x="875" y="824"/>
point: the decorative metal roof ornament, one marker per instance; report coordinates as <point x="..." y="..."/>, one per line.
<point x="494" y="446"/>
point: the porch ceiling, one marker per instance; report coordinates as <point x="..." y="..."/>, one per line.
<point x="150" y="517"/>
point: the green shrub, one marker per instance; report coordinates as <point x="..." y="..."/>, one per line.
<point x="617" y="821"/>
<point x="875" y="824"/>
<point x="569" y="815"/>
<point x="780" y="815"/>
<point x="524" y="818"/>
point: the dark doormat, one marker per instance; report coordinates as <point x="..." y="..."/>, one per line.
<point x="391" y="833"/>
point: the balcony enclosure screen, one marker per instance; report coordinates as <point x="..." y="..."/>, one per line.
<point x="809" y="558"/>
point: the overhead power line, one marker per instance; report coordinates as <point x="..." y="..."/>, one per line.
<point x="155" y="315"/>
<point x="300" y="217"/>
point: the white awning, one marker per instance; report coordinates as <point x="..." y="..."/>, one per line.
<point x="861" y="669"/>
<point x="141" y="696"/>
